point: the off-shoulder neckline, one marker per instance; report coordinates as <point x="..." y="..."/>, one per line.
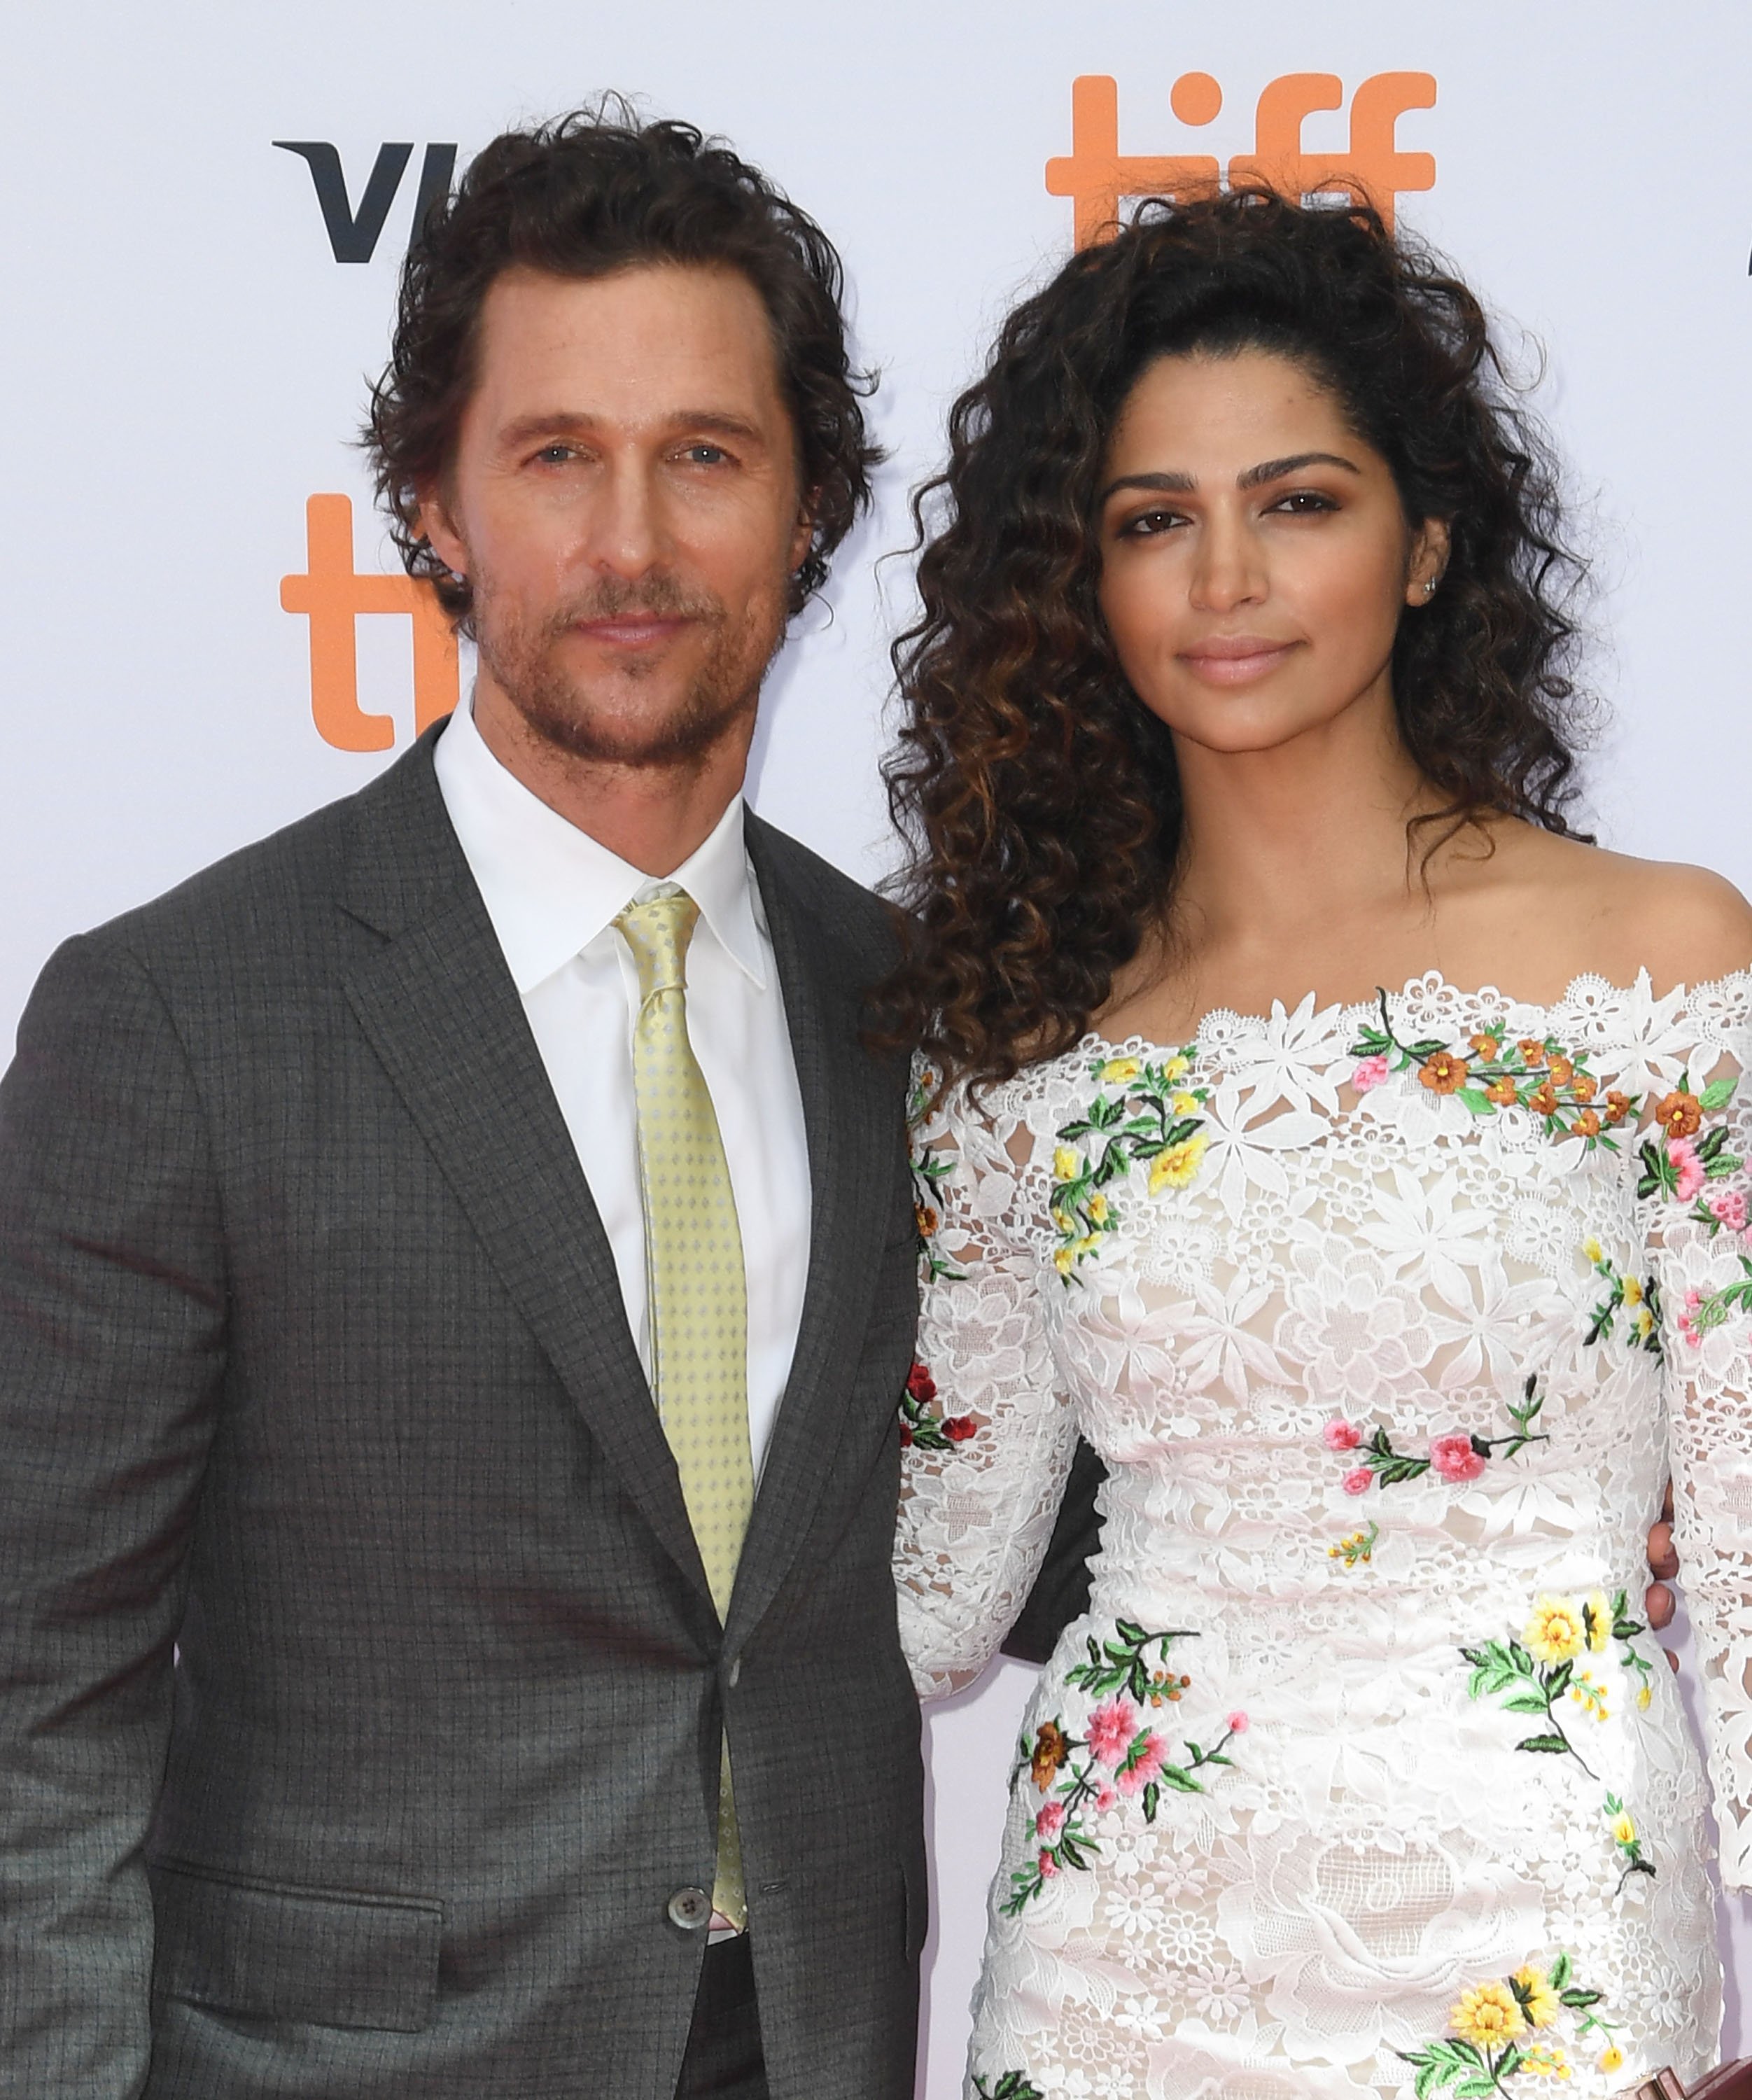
<point x="1426" y="983"/>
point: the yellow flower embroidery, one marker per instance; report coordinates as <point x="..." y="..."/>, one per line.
<point x="1066" y="1164"/>
<point x="1174" y="1168"/>
<point x="1544" y="2061"/>
<point x="1611" y="2058"/>
<point x="1643" y="1695"/>
<point x="1593" y="1249"/>
<point x="1098" y="1208"/>
<point x="1538" y="2002"/>
<point x="1487" y="2015"/>
<point x="1184" y="1104"/>
<point x="1590" y="1695"/>
<point x="1633" y="1291"/>
<point x="1599" y="1621"/>
<point x="1118" y="1071"/>
<point x="1555" y="1633"/>
<point x="1176" y="1068"/>
<point x="1623" y="1828"/>
<point x="1062" y="1259"/>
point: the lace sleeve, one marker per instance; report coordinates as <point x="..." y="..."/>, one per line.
<point x="1694" y="1158"/>
<point x="990" y="1428"/>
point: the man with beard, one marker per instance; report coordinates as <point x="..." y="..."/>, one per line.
<point x="456" y="1282"/>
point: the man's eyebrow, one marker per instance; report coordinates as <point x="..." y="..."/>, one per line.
<point x="569" y="423"/>
<point x="1255" y="477"/>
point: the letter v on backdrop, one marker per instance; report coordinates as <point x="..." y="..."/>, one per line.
<point x="354" y="230"/>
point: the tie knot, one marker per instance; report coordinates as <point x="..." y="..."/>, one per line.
<point x="658" y="932"/>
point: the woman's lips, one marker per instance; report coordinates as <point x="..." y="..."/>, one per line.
<point x="1235" y="660"/>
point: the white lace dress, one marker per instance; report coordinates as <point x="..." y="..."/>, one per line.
<point x="1361" y="1775"/>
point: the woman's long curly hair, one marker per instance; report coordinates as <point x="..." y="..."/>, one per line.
<point x="1040" y="797"/>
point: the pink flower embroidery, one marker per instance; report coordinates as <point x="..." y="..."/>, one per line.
<point x="1687" y="1320"/>
<point x="1146" y="1765"/>
<point x="1048" y="1866"/>
<point x="1454" y="1460"/>
<point x="1105" y="1798"/>
<point x="1112" y="1726"/>
<point x="1237" y="1724"/>
<point x="1727" y="1206"/>
<point x="1682" y="1157"/>
<point x="1050" y="1821"/>
<point x="1340" y="1435"/>
<point x="1370" y="1073"/>
<point x="1358" y="1483"/>
<point x="959" y="1427"/>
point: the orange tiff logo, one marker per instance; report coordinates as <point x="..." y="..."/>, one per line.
<point x="1098" y="176"/>
<point x="331" y="595"/>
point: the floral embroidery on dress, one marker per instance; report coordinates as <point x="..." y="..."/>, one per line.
<point x="1011" y="2085"/>
<point x="1486" y="2046"/>
<point x="1639" y="1297"/>
<point x="1356" y="1548"/>
<point x="1125" y="1758"/>
<point x="1703" y="1310"/>
<point x="1154" y="1118"/>
<point x="1680" y="1165"/>
<point x="1535" y="1073"/>
<point x="1456" y="1457"/>
<point x="1532" y="1675"/>
<point x="922" y="1429"/>
<point x="1625" y="1841"/>
<point x="929" y="1174"/>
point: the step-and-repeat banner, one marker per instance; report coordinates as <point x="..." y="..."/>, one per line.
<point x="207" y="205"/>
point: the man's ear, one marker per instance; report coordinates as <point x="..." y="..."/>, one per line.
<point x="440" y="535"/>
<point x="1430" y="548"/>
<point x="803" y="533"/>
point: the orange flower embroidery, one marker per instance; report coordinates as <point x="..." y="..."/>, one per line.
<point x="1587" y="1124"/>
<point x="1501" y="1094"/>
<point x="1531" y="1051"/>
<point x="1542" y="1100"/>
<point x="1488" y="1048"/>
<point x="1562" y="1071"/>
<point x="926" y="1220"/>
<point x="1617" y="1107"/>
<point x="1050" y="1751"/>
<point x="1444" y="1074"/>
<point x="1678" y="1114"/>
<point x="1583" y="1087"/>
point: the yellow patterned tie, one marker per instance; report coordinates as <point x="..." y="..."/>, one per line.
<point x="696" y="1289"/>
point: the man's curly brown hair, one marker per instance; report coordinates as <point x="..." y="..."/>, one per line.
<point x="1040" y="797"/>
<point x="591" y="193"/>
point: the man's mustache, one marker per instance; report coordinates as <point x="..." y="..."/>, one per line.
<point x="662" y="598"/>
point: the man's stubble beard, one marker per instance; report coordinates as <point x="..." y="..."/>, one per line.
<point x="557" y="706"/>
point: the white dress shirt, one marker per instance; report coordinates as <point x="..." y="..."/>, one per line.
<point x="553" y="893"/>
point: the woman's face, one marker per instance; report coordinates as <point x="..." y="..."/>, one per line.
<point x="1256" y="559"/>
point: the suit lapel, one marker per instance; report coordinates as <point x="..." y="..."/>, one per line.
<point x="440" y="1009"/>
<point x="852" y="1124"/>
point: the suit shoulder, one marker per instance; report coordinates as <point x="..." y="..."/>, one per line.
<point x="266" y="880"/>
<point x="845" y="906"/>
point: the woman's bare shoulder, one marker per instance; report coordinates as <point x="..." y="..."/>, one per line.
<point x="1683" y="924"/>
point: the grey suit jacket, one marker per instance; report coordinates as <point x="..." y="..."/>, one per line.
<point x="313" y="1362"/>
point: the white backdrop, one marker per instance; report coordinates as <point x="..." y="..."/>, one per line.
<point x="184" y="368"/>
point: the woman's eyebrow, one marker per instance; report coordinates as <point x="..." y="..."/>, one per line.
<point x="1166" y="483"/>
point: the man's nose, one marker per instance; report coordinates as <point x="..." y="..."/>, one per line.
<point x="626" y="536"/>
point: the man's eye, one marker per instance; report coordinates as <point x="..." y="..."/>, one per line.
<point x="555" y="455"/>
<point x="704" y="455"/>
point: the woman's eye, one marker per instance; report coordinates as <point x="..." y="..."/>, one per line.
<point x="1305" y="502"/>
<point x="1149" y="524"/>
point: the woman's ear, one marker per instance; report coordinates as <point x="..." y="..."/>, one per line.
<point x="1429" y="561"/>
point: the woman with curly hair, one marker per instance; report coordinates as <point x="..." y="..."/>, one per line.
<point x="1354" y="1153"/>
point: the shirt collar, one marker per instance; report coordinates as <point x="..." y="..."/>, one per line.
<point x="550" y="889"/>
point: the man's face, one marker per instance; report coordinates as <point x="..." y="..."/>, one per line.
<point x="625" y="500"/>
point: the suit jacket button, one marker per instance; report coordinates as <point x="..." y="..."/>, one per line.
<point x="690" y="1909"/>
<point x="736" y="1673"/>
